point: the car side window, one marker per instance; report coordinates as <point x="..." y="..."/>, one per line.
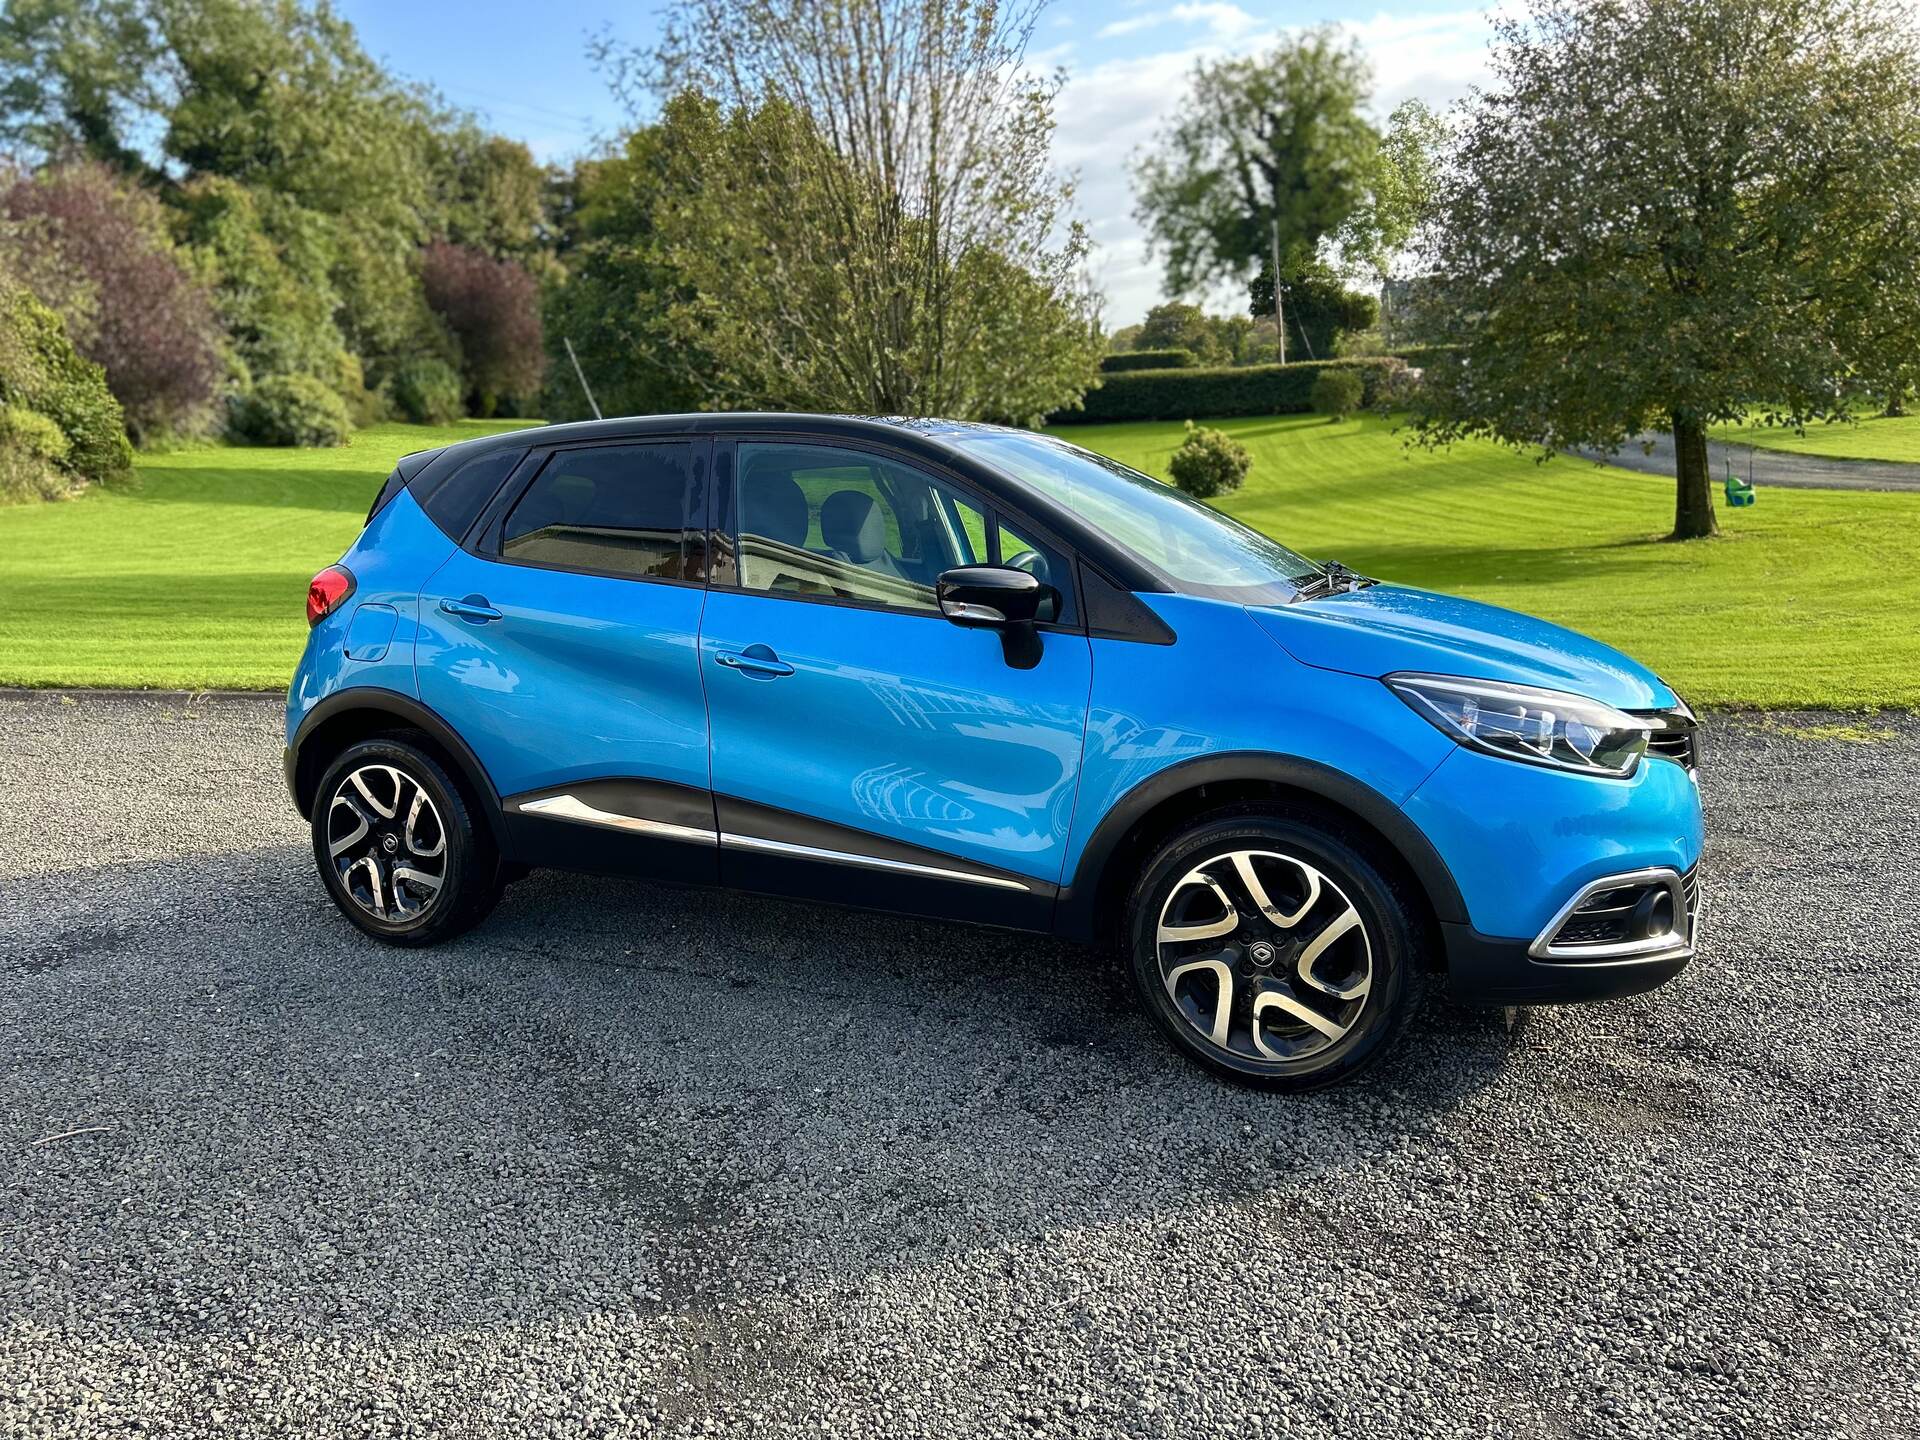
<point x="843" y="524"/>
<point x="1039" y="559"/>
<point x="630" y="511"/>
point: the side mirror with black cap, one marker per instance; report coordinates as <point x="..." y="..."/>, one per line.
<point x="998" y="597"/>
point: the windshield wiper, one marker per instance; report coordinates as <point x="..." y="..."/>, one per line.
<point x="1332" y="578"/>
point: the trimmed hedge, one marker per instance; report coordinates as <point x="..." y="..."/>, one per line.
<point x="1123" y="360"/>
<point x="1211" y="393"/>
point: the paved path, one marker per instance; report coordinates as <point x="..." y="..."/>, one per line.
<point x="636" y="1162"/>
<point x="1770" y="467"/>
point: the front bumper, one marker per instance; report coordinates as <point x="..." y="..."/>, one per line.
<point x="1484" y="970"/>
<point x="1525" y="844"/>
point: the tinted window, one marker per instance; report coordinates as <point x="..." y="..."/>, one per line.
<point x="626" y="510"/>
<point x="454" y="501"/>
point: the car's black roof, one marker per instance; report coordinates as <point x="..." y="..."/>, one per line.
<point x="895" y="428"/>
<point x="929" y="439"/>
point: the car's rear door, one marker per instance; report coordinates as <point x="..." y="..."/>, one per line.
<point x="866" y="749"/>
<point x="560" y="641"/>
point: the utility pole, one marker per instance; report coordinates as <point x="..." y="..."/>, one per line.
<point x="580" y="375"/>
<point x="1279" y="309"/>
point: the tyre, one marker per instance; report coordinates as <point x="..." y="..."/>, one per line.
<point x="1273" y="950"/>
<point x="398" y="845"/>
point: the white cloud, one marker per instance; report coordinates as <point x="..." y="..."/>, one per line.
<point x="1223" y="21"/>
<point x="1109" y="111"/>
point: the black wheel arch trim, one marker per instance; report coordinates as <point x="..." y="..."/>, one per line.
<point x="413" y="714"/>
<point x="1075" y="914"/>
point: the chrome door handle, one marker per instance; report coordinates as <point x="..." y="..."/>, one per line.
<point x="474" y="608"/>
<point x="756" y="660"/>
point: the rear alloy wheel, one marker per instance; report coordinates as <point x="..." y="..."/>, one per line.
<point x="397" y="847"/>
<point x="1273" y="951"/>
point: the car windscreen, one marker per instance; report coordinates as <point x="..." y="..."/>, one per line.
<point x="1194" y="547"/>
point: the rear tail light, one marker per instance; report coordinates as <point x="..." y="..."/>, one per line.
<point x="327" y="592"/>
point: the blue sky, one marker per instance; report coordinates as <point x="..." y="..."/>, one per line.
<point x="524" y="69"/>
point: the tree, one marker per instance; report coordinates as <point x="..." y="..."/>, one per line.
<point x="1266" y="158"/>
<point x="1319" y="308"/>
<point x="135" y="310"/>
<point x="1400" y="194"/>
<point x="75" y="75"/>
<point x="1178" y="326"/>
<point x="493" y="309"/>
<point x="859" y="210"/>
<point x="613" y="300"/>
<point x="1667" y="212"/>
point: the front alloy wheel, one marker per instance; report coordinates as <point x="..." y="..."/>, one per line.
<point x="1273" y="948"/>
<point x="1264" y="955"/>
<point x="397" y="844"/>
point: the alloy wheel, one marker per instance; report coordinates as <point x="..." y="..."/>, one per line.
<point x="387" y="843"/>
<point x="1264" y="956"/>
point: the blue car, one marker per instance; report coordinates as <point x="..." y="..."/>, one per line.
<point x="980" y="674"/>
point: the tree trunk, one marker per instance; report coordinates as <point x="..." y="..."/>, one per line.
<point x="1896" y="403"/>
<point x="1693" y="499"/>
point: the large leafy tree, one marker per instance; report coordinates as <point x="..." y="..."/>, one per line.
<point x="1665" y="213"/>
<point x="1266" y="158"/>
<point x="129" y="302"/>
<point x="858" y="209"/>
<point x="76" y="75"/>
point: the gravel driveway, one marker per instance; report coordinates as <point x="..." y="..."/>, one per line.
<point x="631" y="1161"/>
<point x="1654" y="454"/>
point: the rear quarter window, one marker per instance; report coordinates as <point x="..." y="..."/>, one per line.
<point x="454" y="499"/>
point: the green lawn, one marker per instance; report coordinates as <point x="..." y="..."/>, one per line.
<point x="1875" y="437"/>
<point x="195" y="577"/>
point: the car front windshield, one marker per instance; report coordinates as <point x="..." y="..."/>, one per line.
<point x="1194" y="547"/>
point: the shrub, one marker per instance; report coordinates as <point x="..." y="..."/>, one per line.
<point x="132" y="306"/>
<point x="1247" y="390"/>
<point x="492" y="307"/>
<point x="427" y="391"/>
<point x="40" y="371"/>
<point x="1337" y="392"/>
<point x="32" y="448"/>
<point x="1148" y="360"/>
<point x="1209" y="463"/>
<point x="290" y="410"/>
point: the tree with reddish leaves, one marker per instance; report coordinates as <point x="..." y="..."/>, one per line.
<point x="492" y="308"/>
<point x="96" y="248"/>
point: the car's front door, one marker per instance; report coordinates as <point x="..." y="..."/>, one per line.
<point x="561" y="644"/>
<point x="865" y="748"/>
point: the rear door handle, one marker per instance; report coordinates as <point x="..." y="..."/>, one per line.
<point x="756" y="660"/>
<point x="474" y="608"/>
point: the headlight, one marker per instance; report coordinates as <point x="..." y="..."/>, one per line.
<point x="1520" y="722"/>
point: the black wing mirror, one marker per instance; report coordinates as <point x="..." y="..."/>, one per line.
<point x="997" y="597"/>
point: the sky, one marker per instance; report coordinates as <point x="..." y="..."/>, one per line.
<point x="524" y="70"/>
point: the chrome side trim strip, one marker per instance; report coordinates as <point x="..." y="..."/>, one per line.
<point x="572" y="807"/>
<point x="870" y="862"/>
<point x="1670" y="946"/>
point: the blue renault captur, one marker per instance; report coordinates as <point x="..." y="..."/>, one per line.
<point x="981" y="674"/>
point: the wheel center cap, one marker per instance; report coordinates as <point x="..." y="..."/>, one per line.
<point x="389" y="843"/>
<point x="1260" y="952"/>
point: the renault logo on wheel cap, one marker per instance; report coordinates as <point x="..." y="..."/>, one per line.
<point x="1261" y="953"/>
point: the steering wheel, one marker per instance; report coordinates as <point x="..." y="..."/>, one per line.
<point x="1033" y="562"/>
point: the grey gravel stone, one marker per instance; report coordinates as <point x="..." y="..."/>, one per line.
<point x="632" y="1161"/>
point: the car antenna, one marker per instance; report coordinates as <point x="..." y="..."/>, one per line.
<point x="580" y="375"/>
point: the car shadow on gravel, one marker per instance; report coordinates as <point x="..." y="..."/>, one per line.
<point x="611" y="1095"/>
